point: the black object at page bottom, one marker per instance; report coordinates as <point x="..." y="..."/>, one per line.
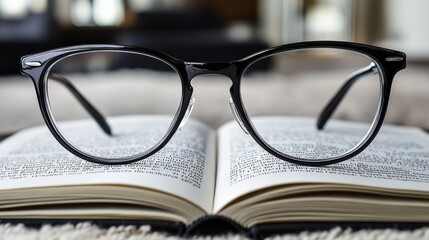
<point x="210" y="225"/>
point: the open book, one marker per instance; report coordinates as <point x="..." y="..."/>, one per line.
<point x="224" y="172"/>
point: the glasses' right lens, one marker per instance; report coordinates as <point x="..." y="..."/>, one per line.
<point x="115" y="95"/>
<point x="302" y="83"/>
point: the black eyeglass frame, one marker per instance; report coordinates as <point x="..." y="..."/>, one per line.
<point x="388" y="62"/>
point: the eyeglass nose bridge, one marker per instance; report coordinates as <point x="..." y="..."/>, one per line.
<point x="228" y="69"/>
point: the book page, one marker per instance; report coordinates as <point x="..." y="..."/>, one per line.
<point x="398" y="158"/>
<point x="185" y="167"/>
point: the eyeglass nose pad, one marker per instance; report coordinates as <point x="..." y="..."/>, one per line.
<point x="236" y="116"/>
<point x="187" y="114"/>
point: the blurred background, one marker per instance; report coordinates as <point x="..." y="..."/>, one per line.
<point x="211" y="30"/>
<point x="201" y="28"/>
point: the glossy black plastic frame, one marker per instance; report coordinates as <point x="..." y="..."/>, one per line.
<point x="388" y="63"/>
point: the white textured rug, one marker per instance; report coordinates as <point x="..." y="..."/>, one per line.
<point x="88" y="231"/>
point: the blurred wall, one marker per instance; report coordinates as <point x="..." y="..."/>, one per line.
<point x="395" y="24"/>
<point x="407" y="26"/>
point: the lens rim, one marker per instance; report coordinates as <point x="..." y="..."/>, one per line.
<point x="50" y="58"/>
<point x="56" y="125"/>
<point x="365" y="137"/>
<point x="387" y="70"/>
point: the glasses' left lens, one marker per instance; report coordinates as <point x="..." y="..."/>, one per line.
<point x="121" y="99"/>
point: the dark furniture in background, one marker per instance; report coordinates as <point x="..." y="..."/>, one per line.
<point x="34" y="33"/>
<point x="189" y="33"/>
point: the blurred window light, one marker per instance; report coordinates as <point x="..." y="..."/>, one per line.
<point x="104" y="13"/>
<point x="13" y="9"/>
<point x="81" y="13"/>
<point x="108" y="12"/>
<point x="325" y="21"/>
<point x="16" y="9"/>
<point x="38" y="6"/>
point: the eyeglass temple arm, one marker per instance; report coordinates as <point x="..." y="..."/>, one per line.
<point x="98" y="117"/>
<point x="335" y="101"/>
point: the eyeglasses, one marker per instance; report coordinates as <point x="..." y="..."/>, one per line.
<point x="81" y="73"/>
